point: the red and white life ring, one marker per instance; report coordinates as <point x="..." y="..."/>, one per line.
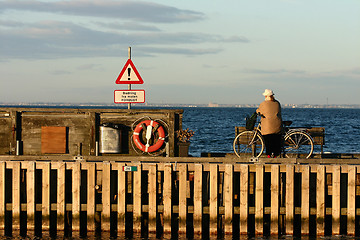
<point x="149" y="127"/>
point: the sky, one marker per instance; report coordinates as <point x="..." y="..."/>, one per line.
<point x="188" y="51"/>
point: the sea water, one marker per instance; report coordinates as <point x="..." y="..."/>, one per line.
<point x="215" y="127"/>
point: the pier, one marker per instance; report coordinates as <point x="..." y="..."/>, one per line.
<point x="146" y="195"/>
<point x="79" y="186"/>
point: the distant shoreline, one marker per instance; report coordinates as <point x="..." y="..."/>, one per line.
<point x="210" y="105"/>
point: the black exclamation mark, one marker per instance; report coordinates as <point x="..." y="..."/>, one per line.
<point x="129" y="71"/>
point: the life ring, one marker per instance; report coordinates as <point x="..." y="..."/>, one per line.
<point x="150" y="124"/>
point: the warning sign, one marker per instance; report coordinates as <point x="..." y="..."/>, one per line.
<point x="129" y="96"/>
<point x="129" y="74"/>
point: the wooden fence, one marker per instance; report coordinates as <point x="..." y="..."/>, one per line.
<point x="178" y="198"/>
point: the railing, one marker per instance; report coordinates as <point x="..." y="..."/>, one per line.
<point x="178" y="198"/>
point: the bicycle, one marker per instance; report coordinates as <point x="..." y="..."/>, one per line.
<point x="296" y="142"/>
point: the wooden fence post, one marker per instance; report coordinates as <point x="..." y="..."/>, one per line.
<point x="90" y="201"/>
<point x="152" y="198"/>
<point x="167" y="190"/>
<point x="45" y="204"/>
<point x="16" y="207"/>
<point x="213" y="199"/>
<point x="351" y="201"/>
<point x="305" y="198"/>
<point x="320" y="200"/>
<point x="30" y="194"/>
<point x="2" y="196"/>
<point x="289" y="200"/>
<point x="121" y="200"/>
<point x="275" y="185"/>
<point x="259" y="200"/>
<point x="76" y="182"/>
<point x="61" y="206"/>
<point x="137" y="209"/>
<point x="182" y="168"/>
<point x="229" y="195"/>
<point x="198" y="197"/>
<point x="106" y="204"/>
<point x="244" y="204"/>
<point x="336" y="210"/>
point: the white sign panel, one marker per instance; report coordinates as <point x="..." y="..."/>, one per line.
<point x="129" y="96"/>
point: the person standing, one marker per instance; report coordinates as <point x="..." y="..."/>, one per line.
<point x="271" y="123"/>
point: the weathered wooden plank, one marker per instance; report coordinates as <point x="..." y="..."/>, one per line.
<point x="214" y="208"/>
<point x="45" y="205"/>
<point x="61" y="170"/>
<point x="182" y="168"/>
<point x="289" y="200"/>
<point x="336" y="210"/>
<point x="6" y="129"/>
<point x="244" y="192"/>
<point x="305" y="198"/>
<point x="30" y="194"/>
<point x="152" y="198"/>
<point x="198" y="198"/>
<point x="121" y="200"/>
<point x="137" y="209"/>
<point x="90" y="198"/>
<point x="76" y="207"/>
<point x="2" y="196"/>
<point x="92" y="126"/>
<point x="259" y="200"/>
<point x="167" y="189"/>
<point x="274" y="188"/>
<point x="228" y="198"/>
<point x="16" y="207"/>
<point x="320" y="200"/>
<point x="351" y="200"/>
<point x="106" y="204"/>
<point x="14" y="115"/>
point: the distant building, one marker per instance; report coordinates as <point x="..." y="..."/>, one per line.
<point x="213" y="105"/>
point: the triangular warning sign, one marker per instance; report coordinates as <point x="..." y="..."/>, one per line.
<point x="129" y="74"/>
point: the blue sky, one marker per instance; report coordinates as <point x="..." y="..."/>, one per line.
<point x="189" y="51"/>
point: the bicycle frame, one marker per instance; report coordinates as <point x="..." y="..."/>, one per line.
<point x="293" y="141"/>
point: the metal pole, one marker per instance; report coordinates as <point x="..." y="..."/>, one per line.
<point x="129" y="85"/>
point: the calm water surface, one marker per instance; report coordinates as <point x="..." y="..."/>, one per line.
<point x="215" y="127"/>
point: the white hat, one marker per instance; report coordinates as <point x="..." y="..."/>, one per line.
<point x="268" y="92"/>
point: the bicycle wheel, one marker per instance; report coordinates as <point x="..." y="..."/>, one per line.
<point x="248" y="143"/>
<point x="298" y="144"/>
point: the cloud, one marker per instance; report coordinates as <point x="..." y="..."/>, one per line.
<point x="132" y="10"/>
<point x="60" y="72"/>
<point x="119" y="24"/>
<point x="272" y="71"/>
<point x="9" y="24"/>
<point x="130" y="26"/>
<point x="182" y="51"/>
<point x="236" y="39"/>
<point x="88" y="66"/>
<point x="54" y="39"/>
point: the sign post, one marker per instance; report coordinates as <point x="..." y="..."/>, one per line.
<point x="129" y="85"/>
<point x="129" y="75"/>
